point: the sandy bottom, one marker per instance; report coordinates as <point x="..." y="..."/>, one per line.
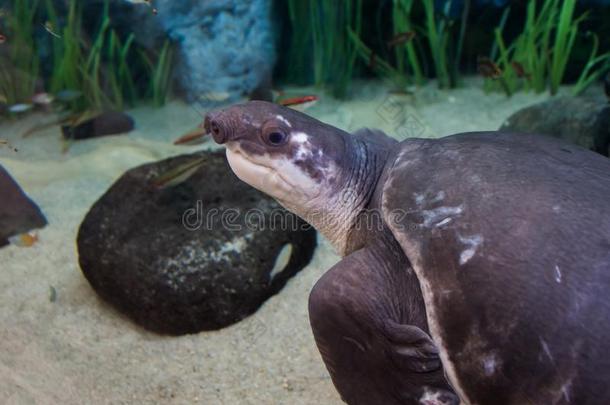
<point x="77" y="349"/>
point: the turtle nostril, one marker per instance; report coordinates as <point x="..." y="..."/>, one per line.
<point x="214" y="128"/>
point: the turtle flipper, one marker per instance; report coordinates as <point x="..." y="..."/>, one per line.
<point x="369" y="323"/>
<point x="412" y="348"/>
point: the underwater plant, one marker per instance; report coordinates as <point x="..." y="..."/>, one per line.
<point x="160" y="70"/>
<point x="538" y="57"/>
<point x="407" y="58"/>
<point x="381" y="67"/>
<point x="19" y="67"/>
<point x="438" y="40"/>
<point x="320" y="28"/>
<point x="78" y="64"/>
<point x="94" y="72"/>
<point x="596" y="66"/>
<point x="415" y="44"/>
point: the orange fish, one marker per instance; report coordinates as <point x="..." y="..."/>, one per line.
<point x="519" y="70"/>
<point x="27" y="239"/>
<point x="401" y="38"/>
<point x="487" y="68"/>
<point x="4" y="142"/>
<point x="193" y="137"/>
<point x="299" y="103"/>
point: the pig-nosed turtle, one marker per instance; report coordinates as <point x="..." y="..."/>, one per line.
<point x="476" y="267"/>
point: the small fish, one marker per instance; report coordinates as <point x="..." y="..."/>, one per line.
<point x="519" y="69"/>
<point x="194" y="137"/>
<point x="48" y="26"/>
<point x="52" y="294"/>
<point x="27" y="239"/>
<point x="42" y="98"/>
<point x="607" y="86"/>
<point x="19" y="108"/>
<point x="139" y="1"/>
<point x="372" y="61"/>
<point x="299" y="103"/>
<point x="401" y="38"/>
<point x="177" y="175"/>
<point x="2" y="39"/>
<point x="3" y="99"/>
<point x="68" y="95"/>
<point x="487" y="68"/>
<point x="155" y="11"/>
<point x="5" y="143"/>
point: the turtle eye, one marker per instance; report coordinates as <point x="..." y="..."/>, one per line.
<point x="276" y="137"/>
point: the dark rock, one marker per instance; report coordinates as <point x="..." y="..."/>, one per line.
<point x="148" y="252"/>
<point x="106" y="123"/>
<point x="18" y="213"/>
<point x="584" y="121"/>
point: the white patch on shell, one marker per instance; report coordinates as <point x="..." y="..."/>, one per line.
<point x="558" y="275"/>
<point x="284" y="120"/>
<point x="473" y="243"/>
<point x="421" y="198"/>
<point x="437" y="215"/>
<point x="547" y="351"/>
<point x="431" y="397"/>
<point x="490" y="364"/>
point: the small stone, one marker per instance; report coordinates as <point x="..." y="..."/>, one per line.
<point x="103" y="124"/>
<point x="197" y="255"/>
<point x="18" y="213"/>
<point x="584" y="121"/>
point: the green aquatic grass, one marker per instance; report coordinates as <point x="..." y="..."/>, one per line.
<point x="596" y="67"/>
<point x="99" y="66"/>
<point x="438" y="40"/>
<point x="382" y="67"/>
<point x="407" y="58"/>
<point x="320" y="29"/>
<point x="299" y="52"/>
<point x="544" y="49"/>
<point x="160" y="70"/>
<point x="20" y="70"/>
<point x="565" y="34"/>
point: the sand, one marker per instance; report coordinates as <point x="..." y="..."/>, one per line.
<point x="77" y="350"/>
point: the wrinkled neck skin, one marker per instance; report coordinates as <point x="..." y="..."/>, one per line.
<point x="342" y="202"/>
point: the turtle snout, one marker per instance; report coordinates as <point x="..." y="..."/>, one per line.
<point x="214" y="125"/>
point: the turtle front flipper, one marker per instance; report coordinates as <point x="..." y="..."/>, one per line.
<point x="368" y="320"/>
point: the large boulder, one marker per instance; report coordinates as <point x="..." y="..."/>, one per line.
<point x="197" y="253"/>
<point x="18" y="213"/>
<point x="225" y="48"/>
<point x="584" y="121"/>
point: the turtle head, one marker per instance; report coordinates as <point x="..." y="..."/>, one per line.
<point x="284" y="153"/>
<point x="319" y="172"/>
